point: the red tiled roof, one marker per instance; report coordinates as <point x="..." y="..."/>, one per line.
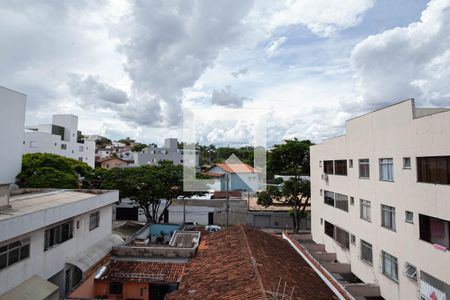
<point x="234" y="168"/>
<point x="142" y="271"/>
<point x="245" y="263"/>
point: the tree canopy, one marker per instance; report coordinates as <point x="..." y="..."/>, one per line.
<point x="290" y="158"/>
<point x="138" y="147"/>
<point x="44" y="170"/>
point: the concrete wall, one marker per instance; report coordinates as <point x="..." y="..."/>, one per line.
<point x="12" y="118"/>
<point x="48" y="263"/>
<point x="388" y="133"/>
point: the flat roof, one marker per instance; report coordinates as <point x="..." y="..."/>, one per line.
<point x="34" y="201"/>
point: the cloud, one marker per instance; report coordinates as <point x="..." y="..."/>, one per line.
<point x="240" y="72"/>
<point x="322" y="17"/>
<point x="169" y="45"/>
<point x="91" y="91"/>
<point x="225" y="97"/>
<point x="275" y="45"/>
<point x="406" y="62"/>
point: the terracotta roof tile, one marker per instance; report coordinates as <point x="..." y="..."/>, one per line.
<point x="245" y="263"/>
<point x="234" y="168"/>
<point x="141" y="271"/>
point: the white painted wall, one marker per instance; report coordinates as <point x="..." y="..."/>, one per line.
<point x="43" y="141"/>
<point x="48" y="263"/>
<point x="12" y="118"/>
<point x="388" y="133"/>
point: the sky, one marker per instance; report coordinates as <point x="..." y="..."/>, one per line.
<point x="132" y="68"/>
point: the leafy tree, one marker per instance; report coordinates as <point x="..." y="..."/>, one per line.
<point x="138" y="147"/>
<point x="146" y="186"/>
<point x="126" y="141"/>
<point x="290" y="158"/>
<point x="44" y="170"/>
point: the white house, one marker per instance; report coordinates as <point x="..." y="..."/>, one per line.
<point x="61" y="137"/>
<point x="234" y="177"/>
<point x="380" y="199"/>
<point x="56" y="235"/>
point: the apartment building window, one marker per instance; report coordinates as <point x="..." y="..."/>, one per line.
<point x="80" y="159"/>
<point x="341" y="201"/>
<point x="14" y="252"/>
<point x="388" y="217"/>
<point x="390" y="265"/>
<point x="328" y="198"/>
<point x="434" y="230"/>
<point x="352" y="239"/>
<point x="94" y="220"/>
<point x="58" y="234"/>
<point x="386" y="169"/>
<point x="33" y="144"/>
<point x="409" y="217"/>
<point x="340" y="167"/>
<point x="366" y="252"/>
<point x="63" y="146"/>
<point x="364" y="168"/>
<point x="328" y="167"/>
<point x="342" y="237"/>
<point x="434" y="169"/>
<point x="406" y="163"/>
<point x="329" y="229"/>
<point x="364" y="212"/>
<point x="350" y="163"/>
<point x="80" y="148"/>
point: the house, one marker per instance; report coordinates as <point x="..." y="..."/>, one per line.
<point x="380" y="199"/>
<point x="112" y="162"/>
<point x="148" y="266"/>
<point x="234" y="177"/>
<point x="244" y="263"/>
<point x="153" y="155"/>
<point x="61" y="137"/>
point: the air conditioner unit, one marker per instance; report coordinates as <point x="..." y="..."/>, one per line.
<point x="325" y="176"/>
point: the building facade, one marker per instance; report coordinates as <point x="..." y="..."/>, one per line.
<point x="12" y="118"/>
<point x="49" y="235"/>
<point x="60" y="137"/>
<point x="380" y="199"/>
<point x="234" y="177"/>
<point x="153" y="155"/>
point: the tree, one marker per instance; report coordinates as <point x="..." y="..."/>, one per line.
<point x="147" y="186"/>
<point x="138" y="147"/>
<point x="290" y="158"/>
<point x="45" y="170"/>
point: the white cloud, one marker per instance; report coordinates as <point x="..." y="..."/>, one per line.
<point x="169" y="45"/>
<point x="275" y="45"/>
<point x="322" y="17"/>
<point x="406" y="62"/>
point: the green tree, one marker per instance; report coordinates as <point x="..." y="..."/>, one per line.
<point x="147" y="186"/>
<point x="44" y="170"/>
<point x="290" y="158"/>
<point x="138" y="147"/>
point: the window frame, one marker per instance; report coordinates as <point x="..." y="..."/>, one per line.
<point x="368" y="245"/>
<point x="382" y="162"/>
<point x="328" y="167"/>
<point x="390" y="209"/>
<point x="405" y="166"/>
<point x="394" y="262"/>
<point x="17" y="245"/>
<point x="53" y="236"/>
<point x="94" y="220"/>
<point x="365" y="204"/>
<point x="339" y="170"/>
<point x="364" y="162"/>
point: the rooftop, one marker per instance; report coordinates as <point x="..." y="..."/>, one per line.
<point x="26" y="201"/>
<point x="234" y="168"/>
<point x="245" y="263"/>
<point x="138" y="271"/>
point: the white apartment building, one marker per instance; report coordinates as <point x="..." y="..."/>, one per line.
<point x="53" y="236"/>
<point x="61" y="137"/>
<point x="12" y="118"/>
<point x="381" y="199"/>
<point x="170" y="151"/>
